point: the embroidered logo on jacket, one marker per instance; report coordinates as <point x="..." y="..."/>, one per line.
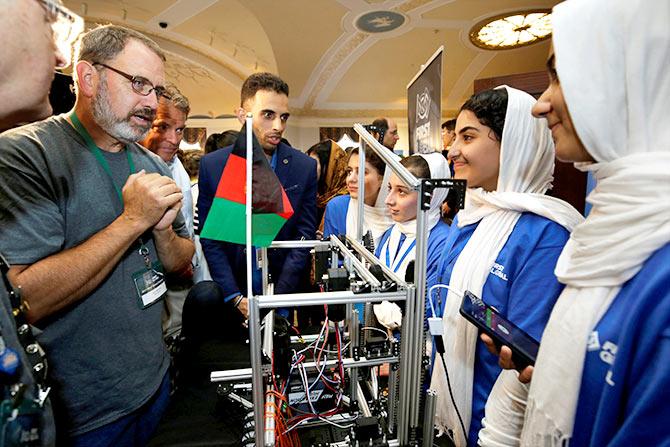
<point x="498" y="270"/>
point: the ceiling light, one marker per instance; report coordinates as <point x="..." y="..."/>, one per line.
<point x="512" y="30"/>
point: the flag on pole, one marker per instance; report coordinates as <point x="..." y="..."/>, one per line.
<point x="270" y="205"/>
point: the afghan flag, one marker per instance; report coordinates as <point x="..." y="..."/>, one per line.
<point x="271" y="208"/>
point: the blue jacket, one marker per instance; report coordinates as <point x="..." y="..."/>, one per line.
<point x="289" y="268"/>
<point x="335" y="220"/>
<point x="521" y="285"/>
<point x="625" y="391"/>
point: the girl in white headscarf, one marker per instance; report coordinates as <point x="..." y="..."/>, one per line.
<point x="341" y="216"/>
<point x="502" y="247"/>
<point x="397" y="246"/>
<point x="602" y="375"/>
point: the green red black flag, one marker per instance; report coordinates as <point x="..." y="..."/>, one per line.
<point x="270" y="206"/>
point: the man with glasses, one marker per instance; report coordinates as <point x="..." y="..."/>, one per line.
<point x="92" y="224"/>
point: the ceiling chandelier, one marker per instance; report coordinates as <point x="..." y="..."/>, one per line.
<point x="512" y="30"/>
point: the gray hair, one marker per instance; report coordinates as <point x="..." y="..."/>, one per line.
<point x="105" y="42"/>
<point x="177" y="99"/>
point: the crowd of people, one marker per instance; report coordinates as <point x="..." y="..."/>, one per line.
<point x="105" y="273"/>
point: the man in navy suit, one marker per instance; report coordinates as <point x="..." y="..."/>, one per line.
<point x="265" y="96"/>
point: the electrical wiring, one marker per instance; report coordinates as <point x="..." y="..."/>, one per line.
<point x="436" y="329"/>
<point x="440" y="286"/>
<point x="370" y="328"/>
<point x="285" y="424"/>
<point x="453" y="401"/>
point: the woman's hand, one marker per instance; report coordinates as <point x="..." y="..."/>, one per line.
<point x="505" y="359"/>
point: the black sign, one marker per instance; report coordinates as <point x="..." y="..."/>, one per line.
<point x="424" y="107"/>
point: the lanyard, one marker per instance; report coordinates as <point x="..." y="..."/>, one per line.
<point x="402" y="258"/>
<point x="97" y="153"/>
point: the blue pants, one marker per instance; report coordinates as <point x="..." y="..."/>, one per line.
<point x="132" y="430"/>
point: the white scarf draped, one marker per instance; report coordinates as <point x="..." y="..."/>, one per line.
<point x="439" y="169"/>
<point x="526" y="167"/>
<point x="617" y="98"/>
<point x="376" y="219"/>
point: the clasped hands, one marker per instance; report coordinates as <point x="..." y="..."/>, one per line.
<point x="151" y="200"/>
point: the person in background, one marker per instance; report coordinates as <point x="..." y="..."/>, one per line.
<point x="167" y="131"/>
<point x="385" y="130"/>
<point x="331" y="174"/>
<point x="601" y="375"/>
<point x="502" y="247"/>
<point x="341" y="216"/>
<point x="220" y="140"/>
<point x="448" y="137"/>
<point x="450" y="206"/>
<point x="191" y="162"/>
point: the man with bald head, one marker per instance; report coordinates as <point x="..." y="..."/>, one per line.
<point x="386" y="132"/>
<point x="92" y="225"/>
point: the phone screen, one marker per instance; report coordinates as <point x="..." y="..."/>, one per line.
<point x="504" y="331"/>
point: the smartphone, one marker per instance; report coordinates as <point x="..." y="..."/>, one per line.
<point x="503" y="332"/>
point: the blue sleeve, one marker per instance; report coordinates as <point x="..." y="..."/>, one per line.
<point x="535" y="289"/>
<point x="631" y="393"/>
<point x="645" y="421"/>
<point x="305" y="227"/>
<point x="335" y="216"/>
<point x="217" y="259"/>
<point x="438" y="235"/>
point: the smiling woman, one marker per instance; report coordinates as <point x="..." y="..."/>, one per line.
<point x="475" y="152"/>
<point x="501" y="245"/>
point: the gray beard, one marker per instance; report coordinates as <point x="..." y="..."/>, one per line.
<point x="118" y="128"/>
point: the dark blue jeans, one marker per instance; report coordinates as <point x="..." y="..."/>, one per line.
<point x="132" y="430"/>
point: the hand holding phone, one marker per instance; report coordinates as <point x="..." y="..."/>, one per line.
<point x="504" y="354"/>
<point x="502" y="332"/>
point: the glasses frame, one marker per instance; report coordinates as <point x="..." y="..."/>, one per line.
<point x="160" y="91"/>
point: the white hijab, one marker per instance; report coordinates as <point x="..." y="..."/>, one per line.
<point x="612" y="59"/>
<point x="439" y="169"/>
<point x="526" y="168"/>
<point x="376" y="219"/>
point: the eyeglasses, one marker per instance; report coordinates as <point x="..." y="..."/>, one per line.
<point x="139" y="84"/>
<point x="66" y="27"/>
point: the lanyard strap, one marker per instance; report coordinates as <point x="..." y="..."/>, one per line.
<point x="402" y="258"/>
<point x="97" y="153"/>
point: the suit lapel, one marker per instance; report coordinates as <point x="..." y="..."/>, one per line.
<point x="283" y="169"/>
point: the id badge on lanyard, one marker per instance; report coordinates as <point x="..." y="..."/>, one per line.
<point x="150" y="281"/>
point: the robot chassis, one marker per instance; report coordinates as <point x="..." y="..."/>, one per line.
<point x="365" y="416"/>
